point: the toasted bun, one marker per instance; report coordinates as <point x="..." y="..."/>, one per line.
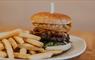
<point x="52" y="21"/>
<point x="60" y="47"/>
<point x="41" y="17"/>
<point x="56" y="50"/>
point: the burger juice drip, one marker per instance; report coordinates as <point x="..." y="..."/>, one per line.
<point x="52" y="38"/>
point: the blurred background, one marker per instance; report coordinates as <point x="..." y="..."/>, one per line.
<point x="17" y="13"/>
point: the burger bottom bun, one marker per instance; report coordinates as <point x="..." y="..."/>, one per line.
<point x="60" y="47"/>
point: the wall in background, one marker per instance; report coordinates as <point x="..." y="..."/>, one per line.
<point x="16" y="14"/>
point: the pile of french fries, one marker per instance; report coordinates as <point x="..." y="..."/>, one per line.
<point x="21" y="44"/>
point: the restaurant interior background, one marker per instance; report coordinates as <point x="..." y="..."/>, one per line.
<point x="17" y="13"/>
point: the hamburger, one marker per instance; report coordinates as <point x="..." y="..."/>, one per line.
<point x="53" y="28"/>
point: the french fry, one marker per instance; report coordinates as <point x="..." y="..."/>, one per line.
<point x="1" y="46"/>
<point x="31" y="47"/>
<point x="3" y="54"/>
<point x="19" y="39"/>
<point x="9" y="34"/>
<point x="26" y="35"/>
<point x="22" y="44"/>
<point x="41" y="56"/>
<point x="8" y="48"/>
<point x="32" y="52"/>
<point x="34" y="42"/>
<point x="20" y="55"/>
<point x="55" y="51"/>
<point x="35" y="56"/>
<point x="23" y="51"/>
<point x="13" y="43"/>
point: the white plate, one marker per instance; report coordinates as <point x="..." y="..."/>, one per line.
<point x="78" y="47"/>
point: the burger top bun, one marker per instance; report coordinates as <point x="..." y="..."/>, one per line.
<point x="52" y="21"/>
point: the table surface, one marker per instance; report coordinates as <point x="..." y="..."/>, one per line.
<point x="89" y="37"/>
